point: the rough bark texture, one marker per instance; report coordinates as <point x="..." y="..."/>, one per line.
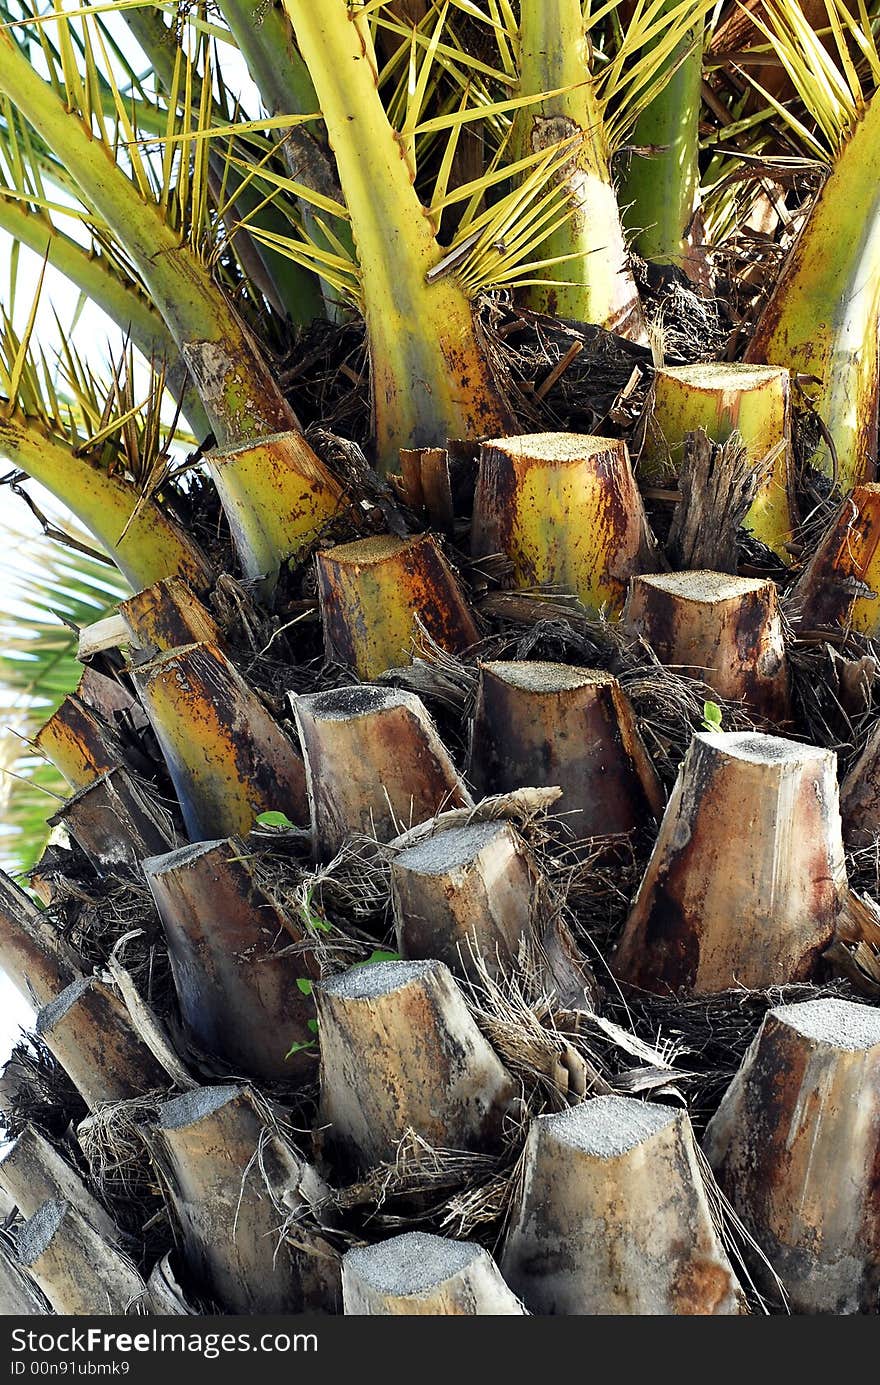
<point x="717" y="484"/>
<point x="841" y="583"/>
<point x="795" y="1145"/>
<point x="235" y="985"/>
<point x="80" y="1274"/>
<point x="374" y="764"/>
<point x="117" y="821"/>
<point x="400" y="1051"/>
<point x="747" y="876"/>
<point x="542" y="724"/>
<point x="33" y="1172"/>
<point x="34" y="956"/>
<point x="165" y="1297"/>
<point x="725" y="630"/>
<point x="420" y="1275"/>
<point x="721" y="399"/>
<point x="19" y="1295"/>
<point x="108" y="697"/>
<point x="167" y="616"/>
<point x="79" y="743"/>
<point x="377" y="592"/>
<point x="464" y="893"/>
<point x="613" y="1217"/>
<point x="860" y="796"/>
<point x="88" y="1030"/>
<point x="527" y="486"/>
<point x="426" y="481"/>
<point x="228" y="759"/>
<point x="229" y="1171"/>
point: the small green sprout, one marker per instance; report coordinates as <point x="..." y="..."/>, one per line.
<point x="712" y="716"/>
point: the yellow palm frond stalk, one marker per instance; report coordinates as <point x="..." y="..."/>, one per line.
<point x="230" y="372"/>
<point x="822" y="318"/>
<point x="431" y="377"/>
<point x="555" y="53"/>
<point x="79" y="455"/>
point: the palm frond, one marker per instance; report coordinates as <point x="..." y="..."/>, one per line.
<point x="50" y="590"/>
<point x="834" y="82"/>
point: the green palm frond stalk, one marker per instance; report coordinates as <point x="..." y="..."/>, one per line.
<point x="431" y="378"/>
<point x="593" y="281"/>
<point x="823" y="317"/>
<point x="660" y="190"/>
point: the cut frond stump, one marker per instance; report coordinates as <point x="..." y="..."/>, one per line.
<point x="400" y="1051"/>
<point x="107" y="696"/>
<point x="375" y="764"/>
<point x="33" y="954"/>
<point x="78" y="1271"/>
<point x="747" y="876"/>
<point x="237" y="991"/>
<point x="79" y="743"/>
<point x="167" y="616"/>
<point x="111" y="633"/>
<point x="376" y="592"/>
<point x="860" y="796"/>
<point x="724" y="630"/>
<point x="613" y="1217"/>
<point x="89" y="1031"/>
<point x="841" y="583"/>
<point x="462" y="894"/>
<point x="420" y="1275"/>
<point x="546" y="724"/>
<point x="165" y="1298"/>
<point x="277" y="495"/>
<point x="117" y="821"/>
<point x="33" y="1172"/>
<point x="229" y="760"/>
<point x="228" y="1172"/>
<point x="794" y="1146"/>
<point x="720" y="398"/>
<point x="529" y="488"/>
<point x="19" y="1295"/>
<point x="426" y="482"/>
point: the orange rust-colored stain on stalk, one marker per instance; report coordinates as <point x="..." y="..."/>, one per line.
<point x="167" y="615"/>
<point x="227" y="758"/>
<point x="565" y="509"/>
<point x="374" y="593"/>
<point x="841" y="585"/>
<point x="701" y="1287"/>
<point x="78" y="743"/>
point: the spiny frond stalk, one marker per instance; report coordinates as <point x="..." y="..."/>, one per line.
<point x="95" y="277"/>
<point x="661" y="192"/>
<point x="555" y="53"/>
<point x="143" y="540"/>
<point x="265" y="40"/>
<point x="430" y="376"/>
<point x="233" y="376"/>
<point x="233" y="380"/>
<point x="285" y="285"/>
<point x="823" y="316"/>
